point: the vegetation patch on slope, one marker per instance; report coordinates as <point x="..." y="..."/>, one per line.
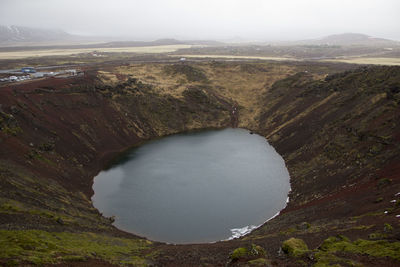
<point x="41" y="247"/>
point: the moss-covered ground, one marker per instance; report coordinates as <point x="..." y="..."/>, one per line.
<point x="41" y="247"/>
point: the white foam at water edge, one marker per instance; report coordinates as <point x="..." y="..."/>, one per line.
<point x="238" y="232"/>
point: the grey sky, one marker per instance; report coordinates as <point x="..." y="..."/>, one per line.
<point x="208" y="19"/>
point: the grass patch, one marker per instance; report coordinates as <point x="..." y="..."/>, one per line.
<point x="14" y="131"/>
<point x="14" y="207"/>
<point x="294" y="247"/>
<point x="239" y="253"/>
<point x="191" y="73"/>
<point x="254" y="251"/>
<point x="326" y="253"/>
<point x="40" y="247"/>
<point x="259" y="262"/>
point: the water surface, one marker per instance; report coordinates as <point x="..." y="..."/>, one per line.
<point x="194" y="187"/>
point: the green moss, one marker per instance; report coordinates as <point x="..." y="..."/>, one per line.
<point x="294" y="247"/>
<point x="362" y="227"/>
<point x="330" y="260"/>
<point x="40" y="247"/>
<point x="9" y="207"/>
<point x="14" y="131"/>
<point x="288" y="231"/>
<point x="243" y="252"/>
<point x="257" y="250"/>
<point x="259" y="262"/>
<point x="325" y="259"/>
<point x="376" y="236"/>
<point x="369" y="214"/>
<point x="37" y="155"/>
<point x="333" y="241"/>
<point x="239" y="253"/>
<point x="326" y="254"/>
<point x="387" y="227"/>
<point x="379" y="248"/>
<point x="14" y="207"/>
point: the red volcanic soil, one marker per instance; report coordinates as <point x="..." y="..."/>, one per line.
<point x="49" y="112"/>
<point x="341" y="146"/>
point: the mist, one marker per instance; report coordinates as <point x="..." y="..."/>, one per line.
<point x="250" y="20"/>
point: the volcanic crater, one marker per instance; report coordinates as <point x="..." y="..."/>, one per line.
<point x="336" y="126"/>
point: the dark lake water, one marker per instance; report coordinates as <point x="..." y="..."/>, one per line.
<point x="195" y="187"/>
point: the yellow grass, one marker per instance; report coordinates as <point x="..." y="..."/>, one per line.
<point x="108" y="77"/>
<point x="238" y="57"/>
<point x="369" y="60"/>
<point x="360" y="60"/>
<point x="232" y="83"/>
<point x="155" y="75"/>
<point x="245" y="88"/>
<point x="64" y="52"/>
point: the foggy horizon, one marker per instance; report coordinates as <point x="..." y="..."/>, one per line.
<point x="223" y="20"/>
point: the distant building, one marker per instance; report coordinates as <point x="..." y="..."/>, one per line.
<point x="28" y="70"/>
<point x="38" y="75"/>
<point x="50" y="74"/>
<point x="71" y="72"/>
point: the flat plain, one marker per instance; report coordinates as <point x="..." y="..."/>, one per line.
<point x="65" y="52"/>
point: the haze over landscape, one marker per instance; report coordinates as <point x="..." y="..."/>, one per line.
<point x="226" y="20"/>
<point x="271" y="127"/>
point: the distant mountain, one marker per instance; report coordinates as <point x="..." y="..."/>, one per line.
<point x="21" y="34"/>
<point x="36" y="38"/>
<point x="347" y="39"/>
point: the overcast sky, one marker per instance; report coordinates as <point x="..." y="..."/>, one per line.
<point x="208" y="19"/>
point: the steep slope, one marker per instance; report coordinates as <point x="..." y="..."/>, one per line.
<point x="56" y="134"/>
<point x="21" y="34"/>
<point x="340" y="139"/>
<point x="339" y="135"/>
